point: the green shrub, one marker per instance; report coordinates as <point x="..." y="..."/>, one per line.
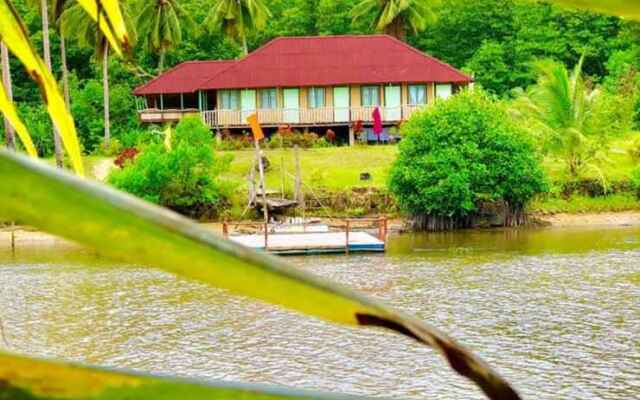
<point x="285" y="138"/>
<point x="185" y="178"/>
<point x="36" y="119"/>
<point x="231" y="143"/>
<point x="612" y="115"/>
<point x="140" y="137"/>
<point x="322" y="143"/>
<point x="462" y="151"/>
<point x="635" y="181"/>
<point x="634" y="150"/>
<point x="115" y="148"/>
<point x="88" y="112"/>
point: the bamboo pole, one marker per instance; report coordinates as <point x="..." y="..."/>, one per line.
<point x="299" y="197"/>
<point x="265" y="212"/>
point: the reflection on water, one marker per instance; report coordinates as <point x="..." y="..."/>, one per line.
<point x="556" y="311"/>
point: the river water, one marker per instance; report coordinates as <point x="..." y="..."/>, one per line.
<point x="556" y="311"/>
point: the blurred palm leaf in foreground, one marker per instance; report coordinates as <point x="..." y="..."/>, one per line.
<point x="13" y="33"/>
<point x="31" y="379"/>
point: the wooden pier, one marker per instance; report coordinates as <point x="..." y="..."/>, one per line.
<point x="310" y="241"/>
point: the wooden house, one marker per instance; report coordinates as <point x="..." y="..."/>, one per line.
<point x="304" y="82"/>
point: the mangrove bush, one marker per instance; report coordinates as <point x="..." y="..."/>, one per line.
<point x="461" y="153"/>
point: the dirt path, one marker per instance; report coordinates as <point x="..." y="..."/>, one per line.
<point x="102" y="168"/>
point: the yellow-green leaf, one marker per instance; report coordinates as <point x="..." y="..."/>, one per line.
<point x="24" y="378"/>
<point x="126" y="228"/>
<point x="9" y="111"/>
<point x="623" y="8"/>
<point x="14" y="35"/>
<point x="111" y="22"/>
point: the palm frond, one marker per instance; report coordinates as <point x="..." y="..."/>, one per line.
<point x="14" y="34"/>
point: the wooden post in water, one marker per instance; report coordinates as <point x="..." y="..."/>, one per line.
<point x="266" y="236"/>
<point x="346" y="249"/>
<point x="225" y="229"/>
<point x="382" y="229"/>
<point x="13" y="239"/>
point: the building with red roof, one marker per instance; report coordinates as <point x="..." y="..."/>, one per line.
<point x="304" y="81"/>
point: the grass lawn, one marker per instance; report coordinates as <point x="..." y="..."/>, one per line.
<point x="333" y="168"/>
<point x="339" y="168"/>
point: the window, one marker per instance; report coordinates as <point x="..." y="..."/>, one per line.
<point x="268" y="99"/>
<point x="229" y="100"/>
<point x="417" y="95"/>
<point x="316" y="97"/>
<point x="370" y="96"/>
<point x="444" y="91"/>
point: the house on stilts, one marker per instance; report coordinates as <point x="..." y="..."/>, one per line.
<point x="304" y="82"/>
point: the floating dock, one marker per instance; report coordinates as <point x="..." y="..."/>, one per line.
<point x="312" y="239"/>
<point x="313" y="243"/>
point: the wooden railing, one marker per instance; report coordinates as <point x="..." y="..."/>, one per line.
<point x="153" y="115"/>
<point x="280" y="116"/>
<point x="306" y="116"/>
<point x="382" y="224"/>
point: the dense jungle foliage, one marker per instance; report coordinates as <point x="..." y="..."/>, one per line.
<point x="496" y="40"/>
<point x="512" y="48"/>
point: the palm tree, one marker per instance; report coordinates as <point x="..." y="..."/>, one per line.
<point x="237" y="17"/>
<point x="393" y="17"/>
<point x="6" y="81"/>
<point x="46" y="45"/>
<point x="159" y="24"/>
<point x="75" y="23"/>
<point x="560" y="103"/>
<point x="57" y="8"/>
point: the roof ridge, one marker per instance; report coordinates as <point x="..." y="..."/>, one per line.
<point x="178" y="66"/>
<point x="243" y="59"/>
<point x="429" y="56"/>
<point x="144" y="85"/>
<point x="368" y="35"/>
<point x="205" y="61"/>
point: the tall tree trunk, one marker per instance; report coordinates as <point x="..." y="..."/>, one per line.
<point x="65" y="71"/>
<point x="397" y="29"/>
<point x="9" y="133"/>
<point x="245" y="48"/>
<point x="47" y="59"/>
<point x="161" y="62"/>
<point x="241" y="30"/>
<point x="105" y="89"/>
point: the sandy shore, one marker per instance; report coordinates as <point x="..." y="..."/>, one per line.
<point x="625" y="218"/>
<point x="32" y="238"/>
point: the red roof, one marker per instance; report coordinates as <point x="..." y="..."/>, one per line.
<point x="183" y="78"/>
<point x="311" y="61"/>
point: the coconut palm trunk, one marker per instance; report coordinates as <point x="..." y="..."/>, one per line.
<point x="65" y="71"/>
<point x="9" y="133"/>
<point x="105" y="89"/>
<point x="397" y="29"/>
<point x="161" y="61"/>
<point x="242" y="30"/>
<point x="44" y="10"/>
